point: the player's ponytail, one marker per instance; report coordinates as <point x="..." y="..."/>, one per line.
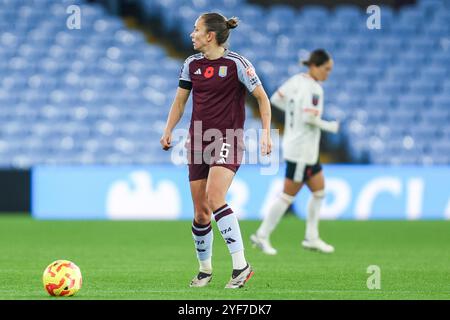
<point x="317" y="58"/>
<point x="232" y="23"/>
<point x="215" y="22"/>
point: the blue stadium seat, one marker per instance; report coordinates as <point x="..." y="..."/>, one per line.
<point x="423" y="44"/>
<point x="357" y="44"/>
<point x="369" y="73"/>
<point x="434" y="117"/>
<point x="390" y="87"/>
<point x="440" y="58"/>
<point x="315" y="12"/>
<point x="412" y="14"/>
<point x="429" y="5"/>
<point x="412" y="58"/>
<point x="251" y="13"/>
<point x="412" y="101"/>
<point x="390" y="43"/>
<point x="441" y="101"/>
<point x="424" y="85"/>
<point x="436" y="29"/>
<point x="443" y="15"/>
<point x="380" y="59"/>
<point x="379" y="101"/>
<point x="400" y="71"/>
<point x="436" y="73"/>
<point x="402" y="116"/>
<point x="404" y="29"/>
<point x="347" y="12"/>
<point x="101" y="87"/>
<point x="358" y="87"/>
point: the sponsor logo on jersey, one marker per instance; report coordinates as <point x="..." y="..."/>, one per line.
<point x="315" y="99"/>
<point x="253" y="81"/>
<point x="209" y="72"/>
<point x="223" y="71"/>
<point x="198" y="71"/>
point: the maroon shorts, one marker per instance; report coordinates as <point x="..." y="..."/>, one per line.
<point x="221" y="154"/>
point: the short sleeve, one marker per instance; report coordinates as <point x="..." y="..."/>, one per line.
<point x="184" y="73"/>
<point x="247" y="74"/>
<point x="289" y="87"/>
<point x="185" y="78"/>
<point x="285" y="93"/>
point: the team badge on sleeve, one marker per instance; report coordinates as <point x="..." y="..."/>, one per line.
<point x="315" y="99"/>
<point x="250" y="72"/>
<point x="223" y="71"/>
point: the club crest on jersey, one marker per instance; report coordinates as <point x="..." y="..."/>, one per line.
<point x="315" y="99"/>
<point x="223" y="71"/>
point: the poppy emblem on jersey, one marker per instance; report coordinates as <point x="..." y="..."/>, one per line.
<point x="223" y="71"/>
<point x="209" y="72"/>
<point x="315" y="99"/>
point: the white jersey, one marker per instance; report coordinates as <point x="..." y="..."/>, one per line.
<point x="301" y="97"/>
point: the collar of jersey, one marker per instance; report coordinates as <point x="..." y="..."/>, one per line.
<point x="308" y="76"/>
<point x="225" y="53"/>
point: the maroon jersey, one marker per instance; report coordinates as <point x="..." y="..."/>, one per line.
<point x="218" y="88"/>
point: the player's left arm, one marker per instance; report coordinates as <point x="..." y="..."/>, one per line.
<point x="314" y="119"/>
<point x="312" y="116"/>
<point x="266" y="114"/>
<point x="250" y="79"/>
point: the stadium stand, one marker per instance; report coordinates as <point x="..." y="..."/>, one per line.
<point x="97" y="95"/>
<point x="389" y="87"/>
<point x="100" y="94"/>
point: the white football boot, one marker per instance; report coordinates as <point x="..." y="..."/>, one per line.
<point x="263" y="244"/>
<point x="201" y="280"/>
<point x="318" y="244"/>
<point x="240" y="277"/>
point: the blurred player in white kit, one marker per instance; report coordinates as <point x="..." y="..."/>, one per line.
<point x="302" y="98"/>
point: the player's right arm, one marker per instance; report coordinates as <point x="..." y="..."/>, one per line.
<point x="280" y="98"/>
<point x="175" y="114"/>
<point x="178" y="105"/>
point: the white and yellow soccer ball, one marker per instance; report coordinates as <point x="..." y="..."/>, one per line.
<point x="62" y="278"/>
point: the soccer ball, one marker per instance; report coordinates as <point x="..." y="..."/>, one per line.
<point x="62" y="278"/>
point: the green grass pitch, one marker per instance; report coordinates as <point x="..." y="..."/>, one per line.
<point x="156" y="260"/>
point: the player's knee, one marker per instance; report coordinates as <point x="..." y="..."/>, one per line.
<point x="215" y="199"/>
<point x="202" y="215"/>
<point x="319" y="194"/>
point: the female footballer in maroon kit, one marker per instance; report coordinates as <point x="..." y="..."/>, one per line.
<point x="219" y="79"/>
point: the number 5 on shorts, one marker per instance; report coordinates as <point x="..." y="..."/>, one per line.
<point x="224" y="151"/>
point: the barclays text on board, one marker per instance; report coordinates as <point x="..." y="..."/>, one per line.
<point x="162" y="192"/>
